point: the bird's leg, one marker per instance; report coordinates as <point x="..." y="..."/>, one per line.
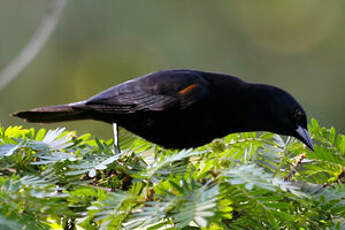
<point x="116" y="138"/>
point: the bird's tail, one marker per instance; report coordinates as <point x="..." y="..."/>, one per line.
<point x="52" y="114"/>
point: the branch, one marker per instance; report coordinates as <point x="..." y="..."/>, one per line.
<point x="337" y="180"/>
<point x="341" y="176"/>
<point x="34" y="46"/>
<point x="294" y="167"/>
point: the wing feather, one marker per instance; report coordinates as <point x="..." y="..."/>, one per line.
<point x="150" y="94"/>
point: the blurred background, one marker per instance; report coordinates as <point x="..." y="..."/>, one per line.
<point x="296" y="45"/>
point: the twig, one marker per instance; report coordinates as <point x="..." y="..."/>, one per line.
<point x="341" y="176"/>
<point x="295" y="165"/>
<point x="337" y="180"/>
<point x="33" y="47"/>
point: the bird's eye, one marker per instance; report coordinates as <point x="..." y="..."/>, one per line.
<point x="299" y="115"/>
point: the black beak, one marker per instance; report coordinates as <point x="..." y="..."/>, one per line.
<point x="304" y="136"/>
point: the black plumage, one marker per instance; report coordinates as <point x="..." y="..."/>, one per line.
<point x="186" y="108"/>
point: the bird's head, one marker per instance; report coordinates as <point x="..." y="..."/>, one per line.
<point x="288" y="116"/>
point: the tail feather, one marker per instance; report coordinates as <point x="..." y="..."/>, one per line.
<point x="52" y="114"/>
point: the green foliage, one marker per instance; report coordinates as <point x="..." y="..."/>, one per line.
<point x="57" y="180"/>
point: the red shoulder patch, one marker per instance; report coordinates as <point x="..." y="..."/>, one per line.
<point x="187" y="89"/>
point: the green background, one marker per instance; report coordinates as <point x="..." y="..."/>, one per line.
<point x="296" y="45"/>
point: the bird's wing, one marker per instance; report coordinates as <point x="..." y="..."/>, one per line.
<point x="156" y="92"/>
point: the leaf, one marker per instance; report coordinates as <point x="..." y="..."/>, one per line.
<point x="332" y="135"/>
<point x="92" y="173"/>
<point x="194" y="204"/>
<point x="169" y="159"/>
<point x="53" y="157"/>
<point x="99" y="162"/>
<point x="9" y="224"/>
<point x="108" y="207"/>
<point x="151" y="214"/>
<point x="50" y="178"/>
<point x="15" y="132"/>
<point x="55" y="140"/>
<point x="40" y="134"/>
<point x="250" y="175"/>
<point x="8" y="149"/>
<point x="340" y="143"/>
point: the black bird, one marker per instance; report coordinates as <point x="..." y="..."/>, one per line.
<point x="186" y="108"/>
